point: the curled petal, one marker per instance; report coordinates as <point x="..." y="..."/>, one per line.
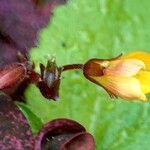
<point x="81" y="141"/>
<point x="62" y="134"/>
<point x="143" y="56"/>
<point x="126" y="67"/>
<point x="144" y="78"/>
<point x="124" y="87"/>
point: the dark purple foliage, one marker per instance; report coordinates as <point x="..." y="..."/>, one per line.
<point x="20" y="22"/>
<point x="15" y="132"/>
<point x="59" y="134"/>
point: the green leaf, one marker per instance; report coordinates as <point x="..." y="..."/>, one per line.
<point x="34" y="121"/>
<point x="84" y="29"/>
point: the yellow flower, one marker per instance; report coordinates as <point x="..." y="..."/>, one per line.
<point x="127" y="77"/>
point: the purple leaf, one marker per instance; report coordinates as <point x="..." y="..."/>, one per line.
<point x="20" y="22"/>
<point x="15" y="133"/>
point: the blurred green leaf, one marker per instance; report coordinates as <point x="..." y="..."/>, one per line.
<point x="84" y="29"/>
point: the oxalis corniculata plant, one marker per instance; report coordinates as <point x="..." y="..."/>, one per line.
<point x="126" y="76"/>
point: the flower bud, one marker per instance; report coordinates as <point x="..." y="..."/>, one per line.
<point x="12" y="75"/>
<point x="127" y="77"/>
<point x="50" y="80"/>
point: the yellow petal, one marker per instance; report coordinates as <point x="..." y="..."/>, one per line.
<point x="125" y="87"/>
<point x="144" y="78"/>
<point x="144" y="56"/>
<point x="124" y="67"/>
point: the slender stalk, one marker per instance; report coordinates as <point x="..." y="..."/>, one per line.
<point x="72" y="67"/>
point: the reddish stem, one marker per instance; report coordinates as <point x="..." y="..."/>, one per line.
<point x="72" y="67"/>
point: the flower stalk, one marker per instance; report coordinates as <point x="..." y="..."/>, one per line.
<point x="71" y="67"/>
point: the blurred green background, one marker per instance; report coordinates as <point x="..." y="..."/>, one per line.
<point x="81" y="30"/>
